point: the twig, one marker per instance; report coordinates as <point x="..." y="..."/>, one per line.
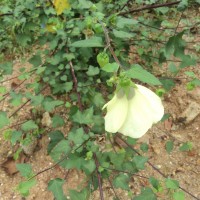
<point x="178" y="23"/>
<point x="7" y="94"/>
<point x="12" y="126"/>
<point x="76" y="85"/>
<point x="133" y="174"/>
<point x="62" y="159"/>
<point x="108" y="42"/>
<point x="98" y="176"/>
<point x="18" y="109"/>
<point x="156" y="169"/>
<point x="31" y="71"/>
<point x="113" y="189"/>
<point x="149" y="7"/>
<point x="113" y="146"/>
<point x="6" y="14"/>
<point x="126" y="4"/>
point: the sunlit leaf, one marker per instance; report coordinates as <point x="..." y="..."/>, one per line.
<point x="91" y="42"/>
<point x="137" y="72"/>
<point x="24" y="187"/>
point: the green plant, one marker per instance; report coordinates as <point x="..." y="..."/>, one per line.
<point x="87" y="51"/>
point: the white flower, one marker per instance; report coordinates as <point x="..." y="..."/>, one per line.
<point x="133" y="114"/>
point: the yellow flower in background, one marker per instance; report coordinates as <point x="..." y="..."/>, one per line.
<point x="134" y="113"/>
<point x="61" y="5"/>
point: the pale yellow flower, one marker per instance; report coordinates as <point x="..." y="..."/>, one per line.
<point x="133" y="114"/>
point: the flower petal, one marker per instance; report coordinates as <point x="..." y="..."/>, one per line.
<point x="145" y="108"/>
<point x="154" y="102"/>
<point x="116" y="113"/>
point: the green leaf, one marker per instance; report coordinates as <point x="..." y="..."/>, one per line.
<point x="82" y="195"/>
<point x="122" y="34"/>
<point x="122" y="21"/>
<point x="169" y="146"/>
<point x="88" y="166"/>
<point x="25" y="170"/>
<point x="3" y="90"/>
<point x="6" y="68"/>
<point x="146" y="194"/>
<point x="77" y="136"/>
<point x="121" y="181"/>
<point x="85" y="4"/>
<point x="168" y="84"/>
<point x="98" y="100"/>
<point x="92" y="42"/>
<point x="29" y="125"/>
<point x="4" y="120"/>
<point x="110" y="67"/>
<point x="85" y="117"/>
<point x="187" y="146"/>
<point x="117" y="159"/>
<point x="23" y="39"/>
<point x="24" y="187"/>
<point x="171" y="184"/>
<point x="140" y="161"/>
<point x="102" y="59"/>
<point x="55" y="138"/>
<point x="156" y="184"/>
<point x="92" y="71"/>
<point x="137" y="72"/>
<point x="55" y="186"/>
<point x="37" y="100"/>
<point x="40" y="70"/>
<point x="179" y="195"/>
<point x="60" y="149"/>
<point x="187" y="61"/>
<point x="144" y="147"/>
<point x="165" y="117"/>
<point x="16" y="99"/>
<point x="190" y="74"/>
<point x="57" y="121"/>
<point x="16" y="135"/>
<point x="62" y="87"/>
<point x="49" y="104"/>
<point x="35" y="60"/>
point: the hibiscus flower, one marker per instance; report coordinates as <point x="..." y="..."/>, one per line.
<point x="133" y="113"/>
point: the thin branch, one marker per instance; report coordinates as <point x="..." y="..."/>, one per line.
<point x="113" y="189"/>
<point x="6" y="14"/>
<point x="76" y="85"/>
<point x="7" y="94"/>
<point x="156" y="169"/>
<point x="149" y="7"/>
<point x="98" y="176"/>
<point x="133" y="174"/>
<point x="108" y="42"/>
<point x="113" y="146"/>
<point x="12" y="126"/>
<point x="18" y="109"/>
<point x="178" y="23"/>
<point x="61" y="160"/>
<point x="126" y="4"/>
